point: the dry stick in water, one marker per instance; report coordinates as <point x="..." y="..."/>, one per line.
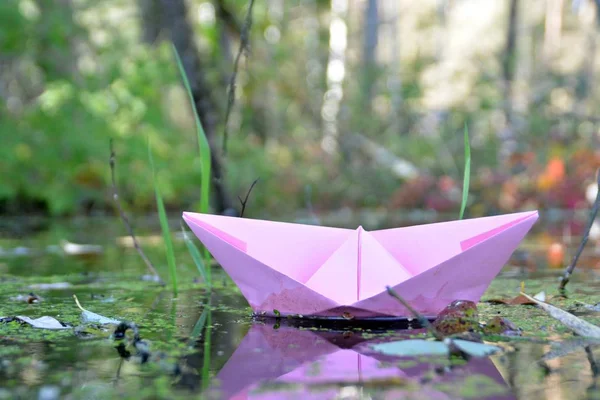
<point x="244" y="43"/>
<point x="593" y="364"/>
<point x="243" y="202"/>
<point x="422" y="320"/>
<point x="126" y="220"/>
<point x="571" y="267"/>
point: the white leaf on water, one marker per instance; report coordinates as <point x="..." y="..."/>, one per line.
<point x="51" y="286"/>
<point x="541" y="296"/>
<point x="44" y="322"/>
<point x="91" y="317"/>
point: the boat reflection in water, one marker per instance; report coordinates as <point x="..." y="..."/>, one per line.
<point x="284" y="362"/>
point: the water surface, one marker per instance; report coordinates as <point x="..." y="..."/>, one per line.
<point x="203" y="345"/>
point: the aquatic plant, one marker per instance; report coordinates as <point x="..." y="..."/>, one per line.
<point x="467" y="174"/>
<point x="164" y="226"/>
<point x="205" y="157"/>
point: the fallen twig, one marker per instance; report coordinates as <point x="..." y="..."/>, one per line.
<point x="422" y="320"/>
<point x="125" y="219"/>
<point x="574" y="323"/>
<point x="244" y="43"/>
<point x="243" y="202"/>
<point x="594" y="212"/>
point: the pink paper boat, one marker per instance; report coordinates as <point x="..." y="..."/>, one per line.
<point x="315" y="271"/>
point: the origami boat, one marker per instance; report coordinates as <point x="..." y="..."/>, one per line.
<point x="323" y="272"/>
<point x="284" y="362"/>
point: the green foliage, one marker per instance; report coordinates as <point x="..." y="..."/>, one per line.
<point x="164" y="225"/>
<point x="467" y="174"/>
<point x="75" y="74"/>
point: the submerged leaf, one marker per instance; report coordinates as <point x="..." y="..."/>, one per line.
<point x="92" y="317"/>
<point x="44" y="322"/>
<point x="576" y="324"/>
<point x="501" y="326"/>
<point x="420" y="347"/>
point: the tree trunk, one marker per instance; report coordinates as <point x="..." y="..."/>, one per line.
<point x="507" y="137"/>
<point x="371" y="28"/>
<point x="171" y="17"/>
<point x="336" y="72"/>
<point x="585" y="77"/>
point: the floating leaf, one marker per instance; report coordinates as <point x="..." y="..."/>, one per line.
<point x="51" y="286"/>
<point x="576" y="324"/>
<point x="92" y="317"/>
<point x="420" y="347"/>
<point x="520" y="300"/>
<point x="44" y="322"/>
<point x="412" y="348"/>
<point x="75" y="249"/>
<point x="501" y="326"/>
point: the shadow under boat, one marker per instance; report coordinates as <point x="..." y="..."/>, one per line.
<point x="373" y="324"/>
<point x="279" y="361"/>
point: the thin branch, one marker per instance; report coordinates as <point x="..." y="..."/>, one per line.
<point x="244" y="44"/>
<point x="422" y="320"/>
<point x="125" y="219"/>
<point x="594" y="212"/>
<point x="243" y="202"/>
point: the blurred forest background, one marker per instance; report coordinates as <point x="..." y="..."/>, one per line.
<point x="339" y="103"/>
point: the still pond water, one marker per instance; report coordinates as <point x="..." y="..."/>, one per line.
<point x="208" y="346"/>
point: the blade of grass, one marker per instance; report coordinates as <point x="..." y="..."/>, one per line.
<point x="467" y="175"/>
<point x="200" y="324"/>
<point x="196" y="257"/>
<point x="164" y="225"/>
<point x="203" y="145"/>
<point x="204" y="149"/>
